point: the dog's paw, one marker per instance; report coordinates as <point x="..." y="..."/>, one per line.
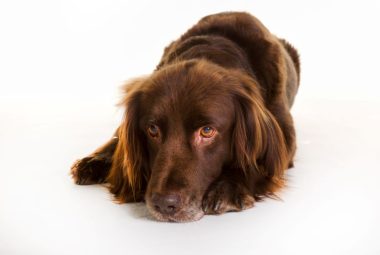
<point x="224" y="196"/>
<point x="89" y="170"/>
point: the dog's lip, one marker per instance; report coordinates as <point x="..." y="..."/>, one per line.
<point x="179" y="219"/>
<point x="187" y="214"/>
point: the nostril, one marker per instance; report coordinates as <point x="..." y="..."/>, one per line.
<point x="171" y="208"/>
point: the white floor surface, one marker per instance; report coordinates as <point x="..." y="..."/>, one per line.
<point x="61" y="64"/>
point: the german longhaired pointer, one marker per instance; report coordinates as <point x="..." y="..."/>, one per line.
<point x="209" y="131"/>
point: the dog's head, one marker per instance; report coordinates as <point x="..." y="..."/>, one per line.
<point x="183" y="126"/>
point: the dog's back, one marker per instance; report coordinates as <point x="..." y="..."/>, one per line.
<point x="239" y="40"/>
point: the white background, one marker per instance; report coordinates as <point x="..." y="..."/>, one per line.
<point x="61" y="64"/>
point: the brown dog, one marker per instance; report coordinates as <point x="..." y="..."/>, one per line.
<point x="209" y="131"/>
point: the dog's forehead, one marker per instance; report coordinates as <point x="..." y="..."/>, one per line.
<point x="188" y="99"/>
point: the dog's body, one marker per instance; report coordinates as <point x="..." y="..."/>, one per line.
<point x="209" y="130"/>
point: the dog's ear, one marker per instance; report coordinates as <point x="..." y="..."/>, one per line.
<point x="128" y="174"/>
<point x="259" y="146"/>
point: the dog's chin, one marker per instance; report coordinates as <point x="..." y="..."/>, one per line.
<point x="188" y="214"/>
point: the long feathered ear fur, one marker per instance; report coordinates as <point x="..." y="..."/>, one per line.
<point x="260" y="148"/>
<point x="128" y="174"/>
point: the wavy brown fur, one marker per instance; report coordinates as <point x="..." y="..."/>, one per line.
<point x="227" y="73"/>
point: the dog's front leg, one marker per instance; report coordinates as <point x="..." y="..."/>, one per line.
<point x="228" y="193"/>
<point x="94" y="168"/>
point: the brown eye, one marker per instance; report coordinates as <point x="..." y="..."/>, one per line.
<point x="153" y="130"/>
<point x="207" y="132"/>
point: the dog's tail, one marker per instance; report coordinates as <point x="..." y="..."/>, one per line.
<point x="293" y="54"/>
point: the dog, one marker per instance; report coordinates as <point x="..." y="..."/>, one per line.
<point x="210" y="130"/>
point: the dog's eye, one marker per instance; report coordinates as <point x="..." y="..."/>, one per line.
<point x="153" y="130"/>
<point x="207" y="132"/>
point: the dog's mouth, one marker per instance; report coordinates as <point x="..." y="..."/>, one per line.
<point x="185" y="214"/>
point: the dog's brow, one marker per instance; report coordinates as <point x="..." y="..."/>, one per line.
<point x="199" y="120"/>
<point x="150" y="119"/>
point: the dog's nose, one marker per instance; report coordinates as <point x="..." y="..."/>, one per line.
<point x="166" y="204"/>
